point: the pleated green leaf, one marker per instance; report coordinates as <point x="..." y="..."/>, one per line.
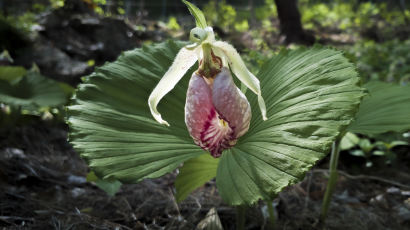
<point x="111" y="125"/>
<point x="311" y="97"/>
<point x="195" y="173"/>
<point x="386" y="108"/>
<point x="31" y="91"/>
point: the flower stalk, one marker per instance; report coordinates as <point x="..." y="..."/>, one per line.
<point x="333" y="175"/>
<point x="271" y="214"/>
<point x="240" y="217"/>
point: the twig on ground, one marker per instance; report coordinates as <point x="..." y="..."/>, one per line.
<point x="98" y="223"/>
<point x="15" y="218"/>
<point x="364" y="177"/>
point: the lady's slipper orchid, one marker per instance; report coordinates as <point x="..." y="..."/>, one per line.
<point x="217" y="113"/>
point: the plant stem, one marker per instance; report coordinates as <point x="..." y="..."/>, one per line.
<point x="271" y="214"/>
<point x="240" y="217"/>
<point x="334" y="159"/>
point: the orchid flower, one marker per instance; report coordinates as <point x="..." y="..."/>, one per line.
<point x="217" y="113"/>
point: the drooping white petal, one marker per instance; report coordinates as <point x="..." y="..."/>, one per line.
<point x="239" y="69"/>
<point x="183" y="61"/>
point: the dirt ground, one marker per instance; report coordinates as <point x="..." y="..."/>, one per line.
<point x="43" y="186"/>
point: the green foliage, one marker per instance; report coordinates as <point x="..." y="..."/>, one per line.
<point x="365" y="148"/>
<point x="99" y="2"/>
<point x="57" y="3"/>
<point x="303" y="90"/>
<point x="24" y="22"/>
<point x="5" y="56"/>
<point x="349" y="140"/>
<point x="110" y="186"/>
<point x="32" y="92"/>
<point x="194" y="173"/>
<point x="386" y="108"/>
<point x="256" y="59"/>
<point x="112" y="127"/>
<point x="120" y="11"/>
<point x="26" y="95"/>
<point x="12" y="73"/>
<point x="351" y="16"/>
<point x="318" y="13"/>
<point x="388" y="61"/>
<point x="221" y="14"/>
<point x="267" y="11"/>
<point x="242" y="26"/>
<point x="95" y="4"/>
<point x="173" y="24"/>
<point x="227" y="17"/>
<point x="17" y="28"/>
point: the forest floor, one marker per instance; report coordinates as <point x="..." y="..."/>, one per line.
<point x="43" y="186"/>
<point x="43" y="180"/>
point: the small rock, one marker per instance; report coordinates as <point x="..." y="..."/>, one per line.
<point x="403" y="212"/>
<point x="14" y="152"/>
<point x="405" y="193"/>
<point x="345" y="197"/>
<point x="76" y="192"/>
<point x="379" y="200"/>
<point x="73" y="179"/>
<point x="393" y="190"/>
<point x="407" y="203"/>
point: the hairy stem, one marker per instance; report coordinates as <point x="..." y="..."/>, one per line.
<point x="334" y="159"/>
<point x="271" y="214"/>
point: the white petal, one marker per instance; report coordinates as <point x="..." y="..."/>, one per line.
<point x="182" y="62"/>
<point x="239" y="69"/>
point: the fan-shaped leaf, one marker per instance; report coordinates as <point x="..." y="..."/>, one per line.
<point x="194" y="174"/>
<point x="32" y="90"/>
<point x="111" y="124"/>
<point x="311" y="95"/>
<point x="386" y="108"/>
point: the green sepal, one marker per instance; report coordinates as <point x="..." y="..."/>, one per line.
<point x="197" y="13"/>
